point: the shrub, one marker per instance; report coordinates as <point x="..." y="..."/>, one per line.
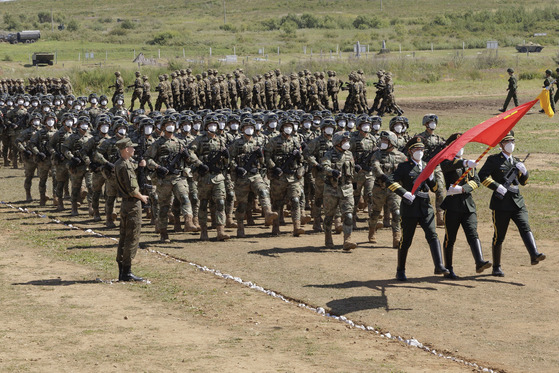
<point x="72" y="26"/>
<point x="7" y="58"/>
<point x="118" y="32"/>
<point x="11" y="22"/>
<point x="44" y="17"/>
<point x="162" y="38"/>
<point x="128" y="24"/>
<point x="366" y="22"/>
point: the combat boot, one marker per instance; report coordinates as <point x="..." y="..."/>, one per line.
<point x="372" y="233"/>
<point x="74" y="208"/>
<point x="269" y="216"/>
<point x="55" y="201"/>
<point x="110" y="222"/>
<point x="396" y="237"/>
<point x="204" y="232"/>
<point x="276" y="227"/>
<point x="127" y="274"/>
<point x="177" y="224"/>
<point x="348" y="243"/>
<point x="120" y="271"/>
<point x="229" y="222"/>
<point x="328" y="241"/>
<point x="221" y="236"/>
<point x="96" y="215"/>
<point x="338" y="226"/>
<point x="317" y="227"/>
<point x="171" y="218"/>
<point x="6" y="162"/>
<point x="28" y="197"/>
<point x="189" y="225"/>
<point x="60" y="205"/>
<point x="43" y="199"/>
<point x="440" y="218"/>
<point x="240" y="229"/>
<point x="83" y="195"/>
<point x="90" y="209"/>
<point x="305" y="219"/>
<point x="163" y="235"/>
<point x="297" y="230"/>
<point x="196" y="223"/>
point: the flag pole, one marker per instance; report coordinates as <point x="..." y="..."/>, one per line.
<point x="469" y="169"/>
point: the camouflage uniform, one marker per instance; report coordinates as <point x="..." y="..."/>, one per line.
<point x="39" y="145"/>
<point x="15" y="122"/>
<point x="29" y="164"/>
<point x="339" y="168"/>
<point x="118" y="86"/>
<point x="60" y="162"/>
<point x="333" y="86"/>
<point x="146" y="94"/>
<point x="138" y="91"/>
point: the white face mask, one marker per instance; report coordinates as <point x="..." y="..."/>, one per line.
<point x="460" y="152"/>
<point x="398" y="128"/>
<point x="57" y="102"/>
<point x="93" y="101"/>
<point x="148" y="130"/>
<point x="119" y="102"/>
<point x="234" y="126"/>
<point x="70" y="103"/>
<point x="69" y="123"/>
<point x="104" y="102"/>
<point x="288" y="130"/>
<point x="383" y="145"/>
<point x="170" y="128"/>
<point x="26" y="103"/>
<point x="316" y="122"/>
<point x="104" y="128"/>
<point x="46" y="109"/>
<point x="351" y="125"/>
<point x="417" y="155"/>
<point x="509" y="147"/>
<point x="78" y="107"/>
<point x="345" y="145"/>
<point x="10" y="103"/>
<point x="121" y="131"/>
<point x="432" y="125"/>
<point x="212" y="127"/>
<point x="34" y="104"/>
<point x="249" y="131"/>
<point x="273" y="125"/>
<point x="75" y="120"/>
<point x="307" y="125"/>
<point x="50" y="122"/>
<point x="296" y="127"/>
<point x="196" y="126"/>
<point x="342" y="123"/>
<point x="376" y="126"/>
<point x="36" y="122"/>
<point x="84" y="127"/>
<point x="221" y="125"/>
<point x="258" y="126"/>
<point x="366" y="128"/>
<point x="329" y="130"/>
<point x="20" y="102"/>
<point x="186" y="128"/>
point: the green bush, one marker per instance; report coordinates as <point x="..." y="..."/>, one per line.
<point x="128" y="25"/>
<point x="162" y="38"/>
<point x="7" y="58"/>
<point x="44" y="17"/>
<point x="11" y="22"/>
<point x="72" y="26"/>
<point x="118" y="32"/>
<point x="363" y="22"/>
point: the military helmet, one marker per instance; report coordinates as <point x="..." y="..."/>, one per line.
<point x="248" y="122"/>
<point x="209" y="119"/>
<point x="510" y="70"/>
<point x="427" y="118"/>
<point x="339" y="137"/>
<point x="328" y="122"/>
<point x="144" y="77"/>
<point x="82" y="119"/>
<point x="102" y="119"/>
<point x="184" y="118"/>
<point x="35" y="116"/>
<point x="399" y="119"/>
<point x="119" y="122"/>
<point x="147" y="122"/>
<point x="362" y="119"/>
<point x="233" y="118"/>
<point x="376" y="119"/>
<point x="547" y="72"/>
<point x="117" y="73"/>
<point x="391" y="136"/>
<point x="137" y="73"/>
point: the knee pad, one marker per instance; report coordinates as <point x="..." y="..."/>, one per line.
<point x="348" y="219"/>
<point x="264" y="194"/>
<point x="295" y="201"/>
<point x="220" y="205"/>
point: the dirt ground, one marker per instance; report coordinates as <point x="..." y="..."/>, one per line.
<point x="61" y="312"/>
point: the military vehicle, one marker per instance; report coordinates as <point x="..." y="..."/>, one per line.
<point x="26" y="36"/>
<point x="529" y="47"/>
<point x="43" y="58"/>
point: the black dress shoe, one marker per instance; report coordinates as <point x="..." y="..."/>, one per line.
<point x="502" y="110"/>
<point x="441" y="271"/>
<point x="451" y="275"/>
<point x="497" y="272"/>
<point x="401" y="275"/>
<point x="480" y="267"/>
<point x="538" y="258"/>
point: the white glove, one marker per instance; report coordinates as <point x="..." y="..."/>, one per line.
<point x="410" y="197"/>
<point x="454" y="190"/>
<point x="470" y="163"/>
<point x="501" y="190"/>
<point x="432" y="176"/>
<point x="521" y="167"/>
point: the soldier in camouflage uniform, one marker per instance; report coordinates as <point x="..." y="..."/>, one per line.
<point x="256" y="94"/>
<point x="295" y="91"/>
<point x="284" y="160"/>
<point x="433" y="144"/>
<point x="77" y="149"/>
<point x="39" y="145"/>
<point x="333" y="87"/>
<point x="285" y="95"/>
<point x="313" y="99"/>
<point x="22" y="144"/>
<point x="384" y="163"/>
<point x="162" y="95"/>
<point x="146" y="94"/>
<point x="176" y="91"/>
<point x="399" y="126"/>
<point x="15" y="122"/>
<point x="313" y="153"/>
<point x="130" y="210"/>
<point x="138" y="90"/>
<point x="58" y="157"/>
<point x="118" y="86"/>
<point x="168" y="156"/>
<point x="97" y="179"/>
<point x="339" y="166"/>
<point x="247" y="157"/>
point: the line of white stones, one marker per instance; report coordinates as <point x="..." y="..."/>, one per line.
<point x="319" y="310"/>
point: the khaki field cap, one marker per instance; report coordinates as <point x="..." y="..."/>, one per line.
<point x="125" y="143"/>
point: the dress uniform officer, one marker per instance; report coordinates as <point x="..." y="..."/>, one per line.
<point x="503" y="173"/>
<point x="415" y="208"/>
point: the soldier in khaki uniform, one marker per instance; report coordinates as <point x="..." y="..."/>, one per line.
<point x="22" y="144"/>
<point x="433" y="144"/>
<point x="138" y="90"/>
<point x="338" y="168"/>
<point x="384" y="163"/>
<point x="39" y="145"/>
<point x="97" y="177"/>
<point x="118" y="86"/>
<point x="247" y="157"/>
<point x="146" y="94"/>
<point x="168" y="156"/>
<point x="284" y="160"/>
<point x="59" y="159"/>
<point x="130" y="210"/>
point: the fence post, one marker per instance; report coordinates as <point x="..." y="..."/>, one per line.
<point x="183" y="54"/>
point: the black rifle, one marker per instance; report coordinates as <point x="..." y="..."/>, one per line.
<point x="214" y="158"/>
<point x="288" y="162"/>
<point x="174" y="164"/>
<point x="251" y="159"/>
<point x="510" y="177"/>
<point x="365" y="160"/>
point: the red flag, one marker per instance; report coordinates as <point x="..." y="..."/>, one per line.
<point x="489" y="132"/>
